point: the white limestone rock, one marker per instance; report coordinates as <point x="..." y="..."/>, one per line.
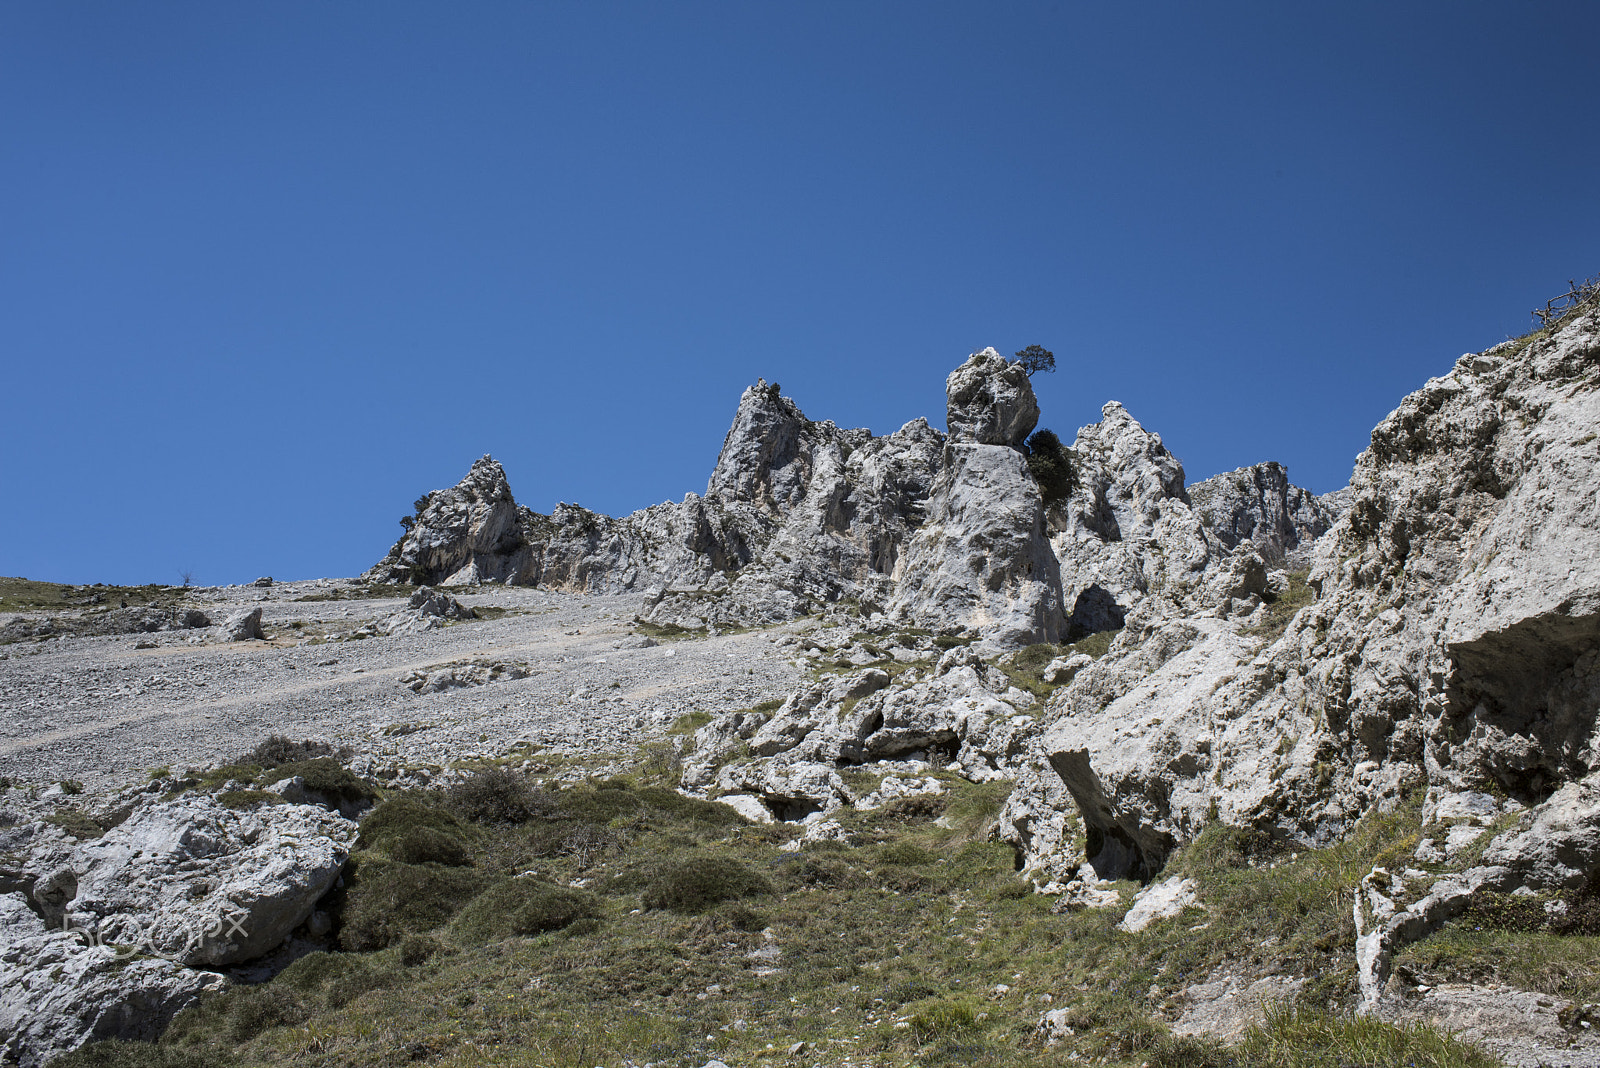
<point x="1160" y="901"/>
<point x="982" y="562"/>
<point x="990" y="401"/>
<point x="60" y="989"/>
<point x="1127" y="528"/>
<point x="194" y="882"/>
<point x="1260" y="504"/>
<point x="243" y="626"/>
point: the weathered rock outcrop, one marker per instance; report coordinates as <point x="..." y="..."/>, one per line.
<point x="982" y="562"/>
<point x="799" y="515"/>
<point x="1127" y="528"/>
<point x="1452" y="642"/>
<point x="109" y="937"/>
<point x="1260" y="504"/>
<point x="59" y="990"/>
<point x="991" y="401"/>
<point x="824" y="515"/>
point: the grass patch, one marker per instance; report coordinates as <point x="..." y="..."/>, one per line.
<point x="691" y="920"/>
<point x="668" y="632"/>
<point x="523" y="907"/>
<point x="326" y="776"/>
<point x="1315" y="1038"/>
<point x="697" y="883"/>
<point x="246" y="799"/>
<point x="1094" y="645"/>
<point x="76" y="823"/>
<point x="1282" y="607"/>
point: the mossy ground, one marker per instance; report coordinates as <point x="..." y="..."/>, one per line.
<point x="911" y="942"/>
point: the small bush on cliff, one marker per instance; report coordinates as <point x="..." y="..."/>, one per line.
<point x="1035" y="358"/>
<point x="279" y="749"/>
<point x="1050" y="463"/>
<point x="325" y="776"/>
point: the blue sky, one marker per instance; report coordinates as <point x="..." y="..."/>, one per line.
<point x="268" y="272"/>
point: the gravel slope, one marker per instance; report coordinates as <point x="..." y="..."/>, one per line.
<point x="103" y="711"/>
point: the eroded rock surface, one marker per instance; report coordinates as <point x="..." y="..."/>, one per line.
<point x="1260" y="504"/>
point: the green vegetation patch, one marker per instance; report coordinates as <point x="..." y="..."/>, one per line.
<point x="522" y="907"/>
<point x="385" y="900"/>
<point x="326" y="776"/>
<point x="77" y="823"/>
<point x="912" y="942"/>
<point x="1308" y="1037"/>
<point x="697" y="883"/>
<point x="1282" y="607"/>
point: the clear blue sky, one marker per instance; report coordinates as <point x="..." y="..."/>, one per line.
<point x="270" y="271"/>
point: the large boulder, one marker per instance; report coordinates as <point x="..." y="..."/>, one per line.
<point x="243" y="626"/>
<point x="60" y="989"/>
<point x="194" y="882"/>
<point x="990" y="401"/>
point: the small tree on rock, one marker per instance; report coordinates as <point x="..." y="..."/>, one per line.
<point x="1035" y="358"/>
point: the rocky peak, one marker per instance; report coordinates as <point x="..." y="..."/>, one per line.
<point x="485" y="482"/>
<point x="990" y="401"/>
<point x="764" y="458"/>
<point x="1261" y="504"/>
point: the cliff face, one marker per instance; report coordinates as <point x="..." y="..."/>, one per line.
<point x="1451" y="643"/>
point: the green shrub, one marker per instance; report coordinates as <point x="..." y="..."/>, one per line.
<point x="424" y="845"/>
<point x="383" y="901"/>
<point x="314" y="971"/>
<point x="1035" y="658"/>
<point x="254" y="1009"/>
<point x="598" y="805"/>
<point x="418" y="949"/>
<point x="395" y="817"/>
<point x="230" y="773"/>
<point x="1050" y="464"/>
<point x="524" y="906"/>
<point x="692" y="809"/>
<point x="71" y="787"/>
<point x="325" y="776"/>
<point x="278" y="750"/>
<point x="119" y="1053"/>
<point x="942" y="1016"/>
<point x="496" y="795"/>
<point x="241" y="799"/>
<point x="696" y="884"/>
<point x="904" y="853"/>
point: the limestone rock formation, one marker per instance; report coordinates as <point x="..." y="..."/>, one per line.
<point x="200" y="884"/>
<point x="799" y="515"/>
<point x="60" y="989"/>
<point x="1127" y="528"/>
<point x="982" y="562"/>
<point x="991" y="401"/>
<point x="1259" y="503"/>
<point x="1452" y="641"/>
<point x="428" y="609"/>
<point x="467" y="534"/>
<point x="111" y="936"/>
